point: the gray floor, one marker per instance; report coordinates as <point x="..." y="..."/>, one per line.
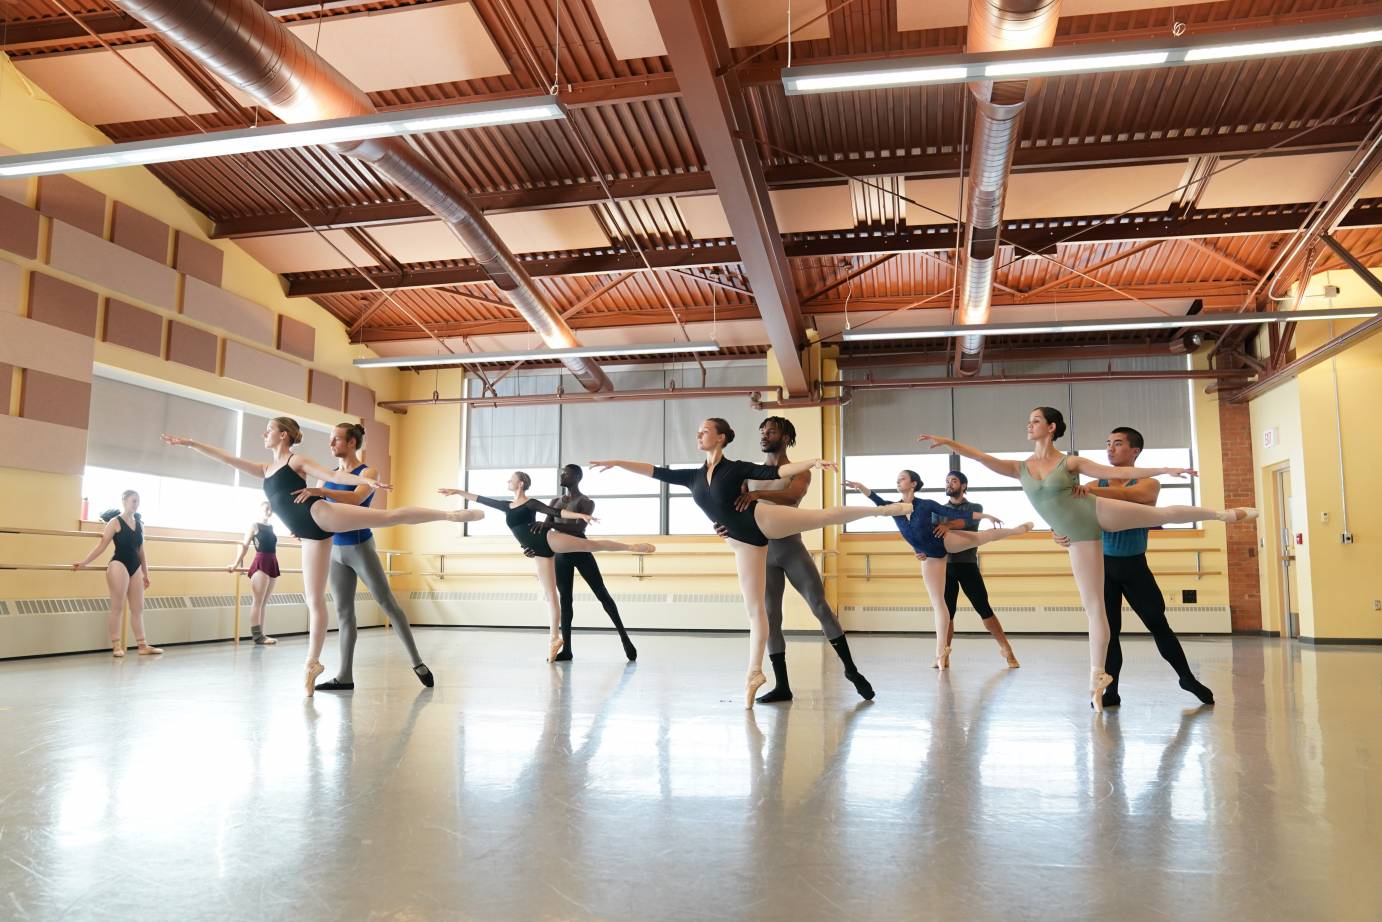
<point x="203" y="786"/>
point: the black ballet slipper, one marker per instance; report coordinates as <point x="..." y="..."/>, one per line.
<point x="630" y="651"/>
<point x="335" y="685"/>
<point x="861" y="685"/>
<point x="779" y="693"/>
<point x="424" y="675"/>
<point x="565" y="656"/>
<point x="1192" y="685"/>
<point x="1111" y="700"/>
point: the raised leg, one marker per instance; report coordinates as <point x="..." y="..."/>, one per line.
<point x="571" y="544"/>
<point x="956" y="540"/>
<point x="783" y="521"/>
<point x="933" y="575"/>
<point x="1117" y="515"/>
<point x="338" y="517"/>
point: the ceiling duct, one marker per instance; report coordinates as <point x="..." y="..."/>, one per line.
<point x="247" y="47"/>
<point x="994" y="25"/>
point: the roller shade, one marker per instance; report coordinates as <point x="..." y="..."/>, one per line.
<point x="683" y="417"/>
<point x="628" y="429"/>
<point x="887" y="422"/>
<point x="514" y="437"/>
<point x="1157" y="409"/>
<point x="127" y="422"/>
<point x="993" y="417"/>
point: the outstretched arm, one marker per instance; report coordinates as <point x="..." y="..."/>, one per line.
<point x="793" y="494"/>
<point x="1144" y="492"/>
<point x="107" y="536"/>
<point x="244" y="465"/>
<point x="635" y="467"/>
<point x="1006" y="468"/>
<point x="474" y="498"/>
<point x="305" y="465"/>
<point x="801" y="467"/>
<point x="1081" y="465"/>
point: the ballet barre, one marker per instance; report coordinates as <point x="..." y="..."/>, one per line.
<point x="1199" y="571"/>
<point x="640" y="572"/>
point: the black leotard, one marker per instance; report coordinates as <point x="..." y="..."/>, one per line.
<point x="520" y="520"/>
<point x="264" y="539"/>
<point x="279" y="487"/>
<point x="127" y="542"/>
<point x="717" y="496"/>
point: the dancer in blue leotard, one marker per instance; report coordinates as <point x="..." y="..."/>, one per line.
<point x="933" y="542"/>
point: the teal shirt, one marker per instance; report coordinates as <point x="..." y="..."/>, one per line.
<point x="1129" y="543"/>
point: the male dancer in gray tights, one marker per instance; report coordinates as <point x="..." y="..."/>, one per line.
<point x="790" y="562"/>
<point x="353" y="555"/>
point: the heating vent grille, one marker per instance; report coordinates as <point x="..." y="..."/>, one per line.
<point x="217" y="601"/>
<point x="59" y="606"/>
<point x="706" y="598"/>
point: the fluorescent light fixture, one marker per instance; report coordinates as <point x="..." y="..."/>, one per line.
<point x="1107" y="56"/>
<point x="536" y="355"/>
<point x="280" y="137"/>
<point x="1109" y="326"/>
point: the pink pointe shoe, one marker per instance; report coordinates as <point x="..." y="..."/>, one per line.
<point x="1098" y="681"/>
<point x="756" y="680"/>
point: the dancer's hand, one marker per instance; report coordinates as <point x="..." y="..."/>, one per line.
<point x="858" y="487"/>
<point x="822" y="464"/>
<point x="450" y="491"/>
<point x="1062" y="540"/>
<point x="529" y="552"/>
<point x="992" y="518"/>
<point x="745" y="500"/>
<point x="588" y="519"/>
<point x="77" y="566"/>
<point x="1184" y="473"/>
<point x="935" y="441"/>
<point x="721" y="530"/>
<point x="598" y="466"/>
<point x="941" y="530"/>
<point x="146" y="581"/>
<point x="920" y="556"/>
<point x="376" y="484"/>
<point x="178" y="440"/>
<point x="306" y="493"/>
<point x="1080" y="489"/>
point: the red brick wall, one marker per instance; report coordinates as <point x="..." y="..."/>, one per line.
<point x="1245" y="598"/>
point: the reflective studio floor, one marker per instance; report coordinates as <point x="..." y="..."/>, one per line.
<point x="203" y="786"/>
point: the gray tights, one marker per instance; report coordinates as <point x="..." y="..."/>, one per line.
<point x="790" y="562"/>
<point x="347" y="562"/>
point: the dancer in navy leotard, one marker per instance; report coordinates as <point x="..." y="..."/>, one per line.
<point x="263" y="571"/>
<point x="127" y="574"/>
<point x="310" y="519"/>
<point x="543" y="544"/>
<point x="933" y="542"/>
<point x="716" y="487"/>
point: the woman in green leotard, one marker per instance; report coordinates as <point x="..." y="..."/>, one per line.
<point x="1050" y="480"/>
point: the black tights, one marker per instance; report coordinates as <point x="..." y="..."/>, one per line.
<point x="566" y="567"/>
<point x="1131" y="578"/>
<point x="962" y="574"/>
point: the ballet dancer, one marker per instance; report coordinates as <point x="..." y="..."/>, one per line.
<point x="521" y="515"/>
<point x="569" y="563"/>
<point x="263" y="571"/>
<point x="790" y="561"/>
<point x="962" y="569"/>
<point x="313" y="521"/>
<point x="1048" y="477"/>
<point x="353" y="557"/>
<point x="715" y="487"/>
<point x="124" y="528"/>
<point x="934" y="543"/>
<point x="1127" y="576"/>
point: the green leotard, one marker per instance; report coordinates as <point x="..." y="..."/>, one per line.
<point x="1071" y="516"/>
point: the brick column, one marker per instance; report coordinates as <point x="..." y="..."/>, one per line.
<point x="1235" y="436"/>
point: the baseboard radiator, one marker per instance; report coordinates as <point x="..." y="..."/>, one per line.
<point x="1031" y="619"/>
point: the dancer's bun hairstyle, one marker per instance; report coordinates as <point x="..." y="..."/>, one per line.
<point x="290" y="426"/>
<point x="724" y="428"/>
<point x="1055" y="417"/>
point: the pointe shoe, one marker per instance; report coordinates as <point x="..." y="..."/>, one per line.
<point x="146" y="650"/>
<point x="465" y="515"/>
<point x="943" y="661"/>
<point x="314" y="669"/>
<point x="902" y="509"/>
<point x="756" y="680"/>
<point x="1098" y="681"/>
<point x="1026" y="527"/>
<point x="117" y="649"/>
<point x="553" y="648"/>
<point x="1008" y="655"/>
<point x="641" y="549"/>
<point x="1246" y="515"/>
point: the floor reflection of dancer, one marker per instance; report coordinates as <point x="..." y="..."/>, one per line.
<point x="544" y="544"/>
<point x="353" y="558"/>
<point x="569" y="563"/>
<point x="1048" y="478"/>
<point x="125" y="530"/>
<point x="1127" y="576"/>
<point x="314" y="521"/>
<point x="263" y="571"/>
<point x="933" y="543"/>
<point x="790" y="562"/>
<point x="962" y="568"/>
<point x="716" y="487"/>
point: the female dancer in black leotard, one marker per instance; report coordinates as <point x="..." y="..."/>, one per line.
<point x="716" y="486"/>
<point x="544" y="543"/>
<point x="263" y="571"/>
<point x="126" y="530"/>
<point x="312" y="520"/>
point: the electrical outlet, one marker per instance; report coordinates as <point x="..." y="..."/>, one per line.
<point x="1377" y="604"/>
<point x="1346" y="538"/>
<point x="1324" y="518"/>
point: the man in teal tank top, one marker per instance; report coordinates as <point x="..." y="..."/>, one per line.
<point x="1127" y="575"/>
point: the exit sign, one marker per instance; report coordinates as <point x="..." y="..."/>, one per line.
<point x="1270" y="437"/>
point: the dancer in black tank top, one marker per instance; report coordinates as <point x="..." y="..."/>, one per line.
<point x="716" y="487"/>
<point x="299" y="507"/>
<point x="544" y="544"/>
<point x="127" y="574"/>
<point x="263" y="571"/>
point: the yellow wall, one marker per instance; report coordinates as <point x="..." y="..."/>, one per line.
<point x="1337" y="582"/>
<point x="31" y="121"/>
